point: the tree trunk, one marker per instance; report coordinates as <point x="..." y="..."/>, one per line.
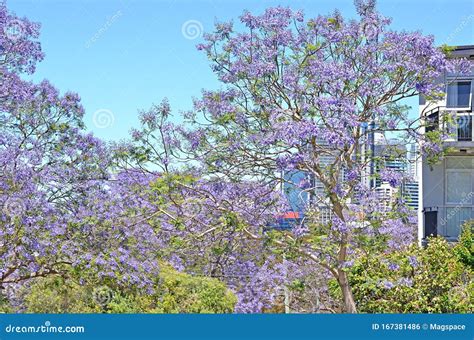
<point x="349" y="303"/>
<point x="287" y="300"/>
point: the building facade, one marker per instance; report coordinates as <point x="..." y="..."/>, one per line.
<point x="393" y="154"/>
<point x="447" y="187"/>
<point x="386" y="153"/>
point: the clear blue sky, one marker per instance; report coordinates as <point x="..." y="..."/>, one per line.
<point x="123" y="55"/>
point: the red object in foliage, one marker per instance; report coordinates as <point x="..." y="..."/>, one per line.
<point x="291" y="214"/>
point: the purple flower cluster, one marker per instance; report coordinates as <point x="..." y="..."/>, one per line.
<point x="299" y="95"/>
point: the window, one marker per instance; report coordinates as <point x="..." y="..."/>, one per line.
<point x="432" y="122"/>
<point x="297" y="198"/>
<point x="459" y="194"/>
<point x="459" y="163"/>
<point x="455" y="218"/>
<point x="459" y="94"/>
<point x="464" y="126"/>
<point x="458" y="186"/>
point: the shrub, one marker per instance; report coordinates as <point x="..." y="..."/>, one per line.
<point x="174" y="292"/>
<point x="415" y="280"/>
<point x="182" y="293"/>
<point x="464" y="249"/>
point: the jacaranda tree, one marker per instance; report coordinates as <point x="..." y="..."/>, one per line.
<point x="199" y="221"/>
<point x="56" y="204"/>
<point x="298" y="96"/>
<point x="305" y="95"/>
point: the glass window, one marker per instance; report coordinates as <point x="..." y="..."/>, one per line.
<point x="459" y="94"/>
<point x="432" y="122"/>
<point x="455" y="218"/>
<point x="458" y="187"/>
<point x="464" y="126"/>
<point x="297" y="198"/>
<point x="459" y="163"/>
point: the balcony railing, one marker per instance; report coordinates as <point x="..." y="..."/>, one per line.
<point x="462" y="128"/>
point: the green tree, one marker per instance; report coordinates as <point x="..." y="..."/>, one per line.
<point x="464" y="249"/>
<point x="416" y="280"/>
<point x="174" y="292"/>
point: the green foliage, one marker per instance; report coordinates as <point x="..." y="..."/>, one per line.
<point x="174" y="292"/>
<point x="464" y="249"/>
<point x="182" y="293"/>
<point x="435" y="137"/>
<point x="4" y="305"/>
<point x="416" y="280"/>
<point x="447" y="50"/>
<point x="168" y="185"/>
<point x="58" y="295"/>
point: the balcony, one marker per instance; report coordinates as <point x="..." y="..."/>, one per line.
<point x="464" y="128"/>
<point x="459" y="126"/>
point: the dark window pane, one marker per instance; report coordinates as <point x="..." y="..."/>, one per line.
<point x="432" y="122"/>
<point x="459" y="94"/>
<point x="464" y="128"/>
<point x="464" y="93"/>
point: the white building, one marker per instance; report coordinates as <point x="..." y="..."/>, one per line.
<point x="410" y="192"/>
<point x="387" y="195"/>
<point x="447" y="188"/>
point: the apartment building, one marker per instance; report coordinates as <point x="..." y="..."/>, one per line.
<point x="387" y="153"/>
<point x="447" y="187"/>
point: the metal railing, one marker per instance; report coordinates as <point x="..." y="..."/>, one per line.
<point x="462" y="130"/>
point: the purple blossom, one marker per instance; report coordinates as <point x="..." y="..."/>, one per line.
<point x="202" y="195"/>
<point x="348" y="264"/>
<point x="393" y="177"/>
<point x="413" y="261"/>
<point x="393" y="266"/>
<point x="387" y="284"/>
<point x="405" y="281"/>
